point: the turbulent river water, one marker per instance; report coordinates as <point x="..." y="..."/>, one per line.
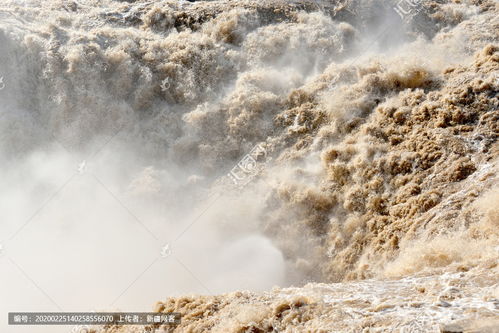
<point x="258" y="166"/>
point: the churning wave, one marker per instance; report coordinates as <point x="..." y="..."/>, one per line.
<point x="332" y="141"/>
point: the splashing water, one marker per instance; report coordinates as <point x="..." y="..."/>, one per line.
<point x="157" y="149"/>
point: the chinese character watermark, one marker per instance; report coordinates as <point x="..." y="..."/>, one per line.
<point x="81" y="329"/>
<point x="248" y="167"/>
<point x="2" y="84"/>
<point x="82" y="167"/>
<point x="165" y="84"/>
<point x="330" y="252"/>
<point x="329" y="299"/>
<point x="408" y="8"/>
<point x="166" y="251"/>
<point x="419" y="326"/>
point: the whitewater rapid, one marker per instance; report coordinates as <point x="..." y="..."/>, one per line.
<point x="158" y="149"/>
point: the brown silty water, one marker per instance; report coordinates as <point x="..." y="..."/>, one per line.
<point x="371" y="203"/>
